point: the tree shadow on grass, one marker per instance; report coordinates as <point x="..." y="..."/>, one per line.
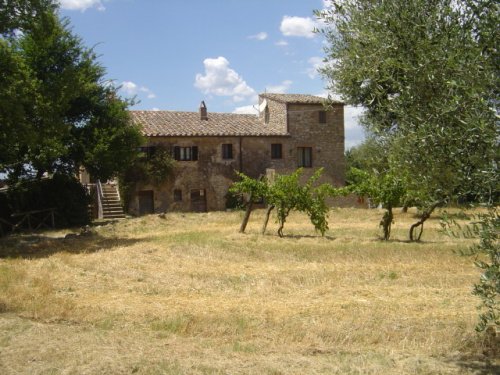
<point x="38" y="245"/>
<point x="479" y="366"/>
<point x="301" y="236"/>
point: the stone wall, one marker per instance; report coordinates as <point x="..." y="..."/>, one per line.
<point x="213" y="175"/>
<point x="326" y="140"/>
<point x="210" y="173"/>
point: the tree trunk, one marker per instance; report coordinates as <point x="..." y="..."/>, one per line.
<point x="420" y="224"/>
<point x="248" y="211"/>
<point x="280" y="229"/>
<point x="282" y="223"/>
<point x="386" y="223"/>
<point x="405" y="208"/>
<point x="266" y="219"/>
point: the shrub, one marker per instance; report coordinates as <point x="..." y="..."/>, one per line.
<point x="487" y="257"/>
<point x="62" y="192"/>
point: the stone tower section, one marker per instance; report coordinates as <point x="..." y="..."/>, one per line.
<point x="316" y="132"/>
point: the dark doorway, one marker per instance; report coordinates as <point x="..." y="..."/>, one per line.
<point x="146" y="202"/>
<point x="198" y="201"/>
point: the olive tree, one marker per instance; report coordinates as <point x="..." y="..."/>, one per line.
<point x="427" y="74"/>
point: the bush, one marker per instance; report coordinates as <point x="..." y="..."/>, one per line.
<point x="62" y="192"/>
<point x="486" y="228"/>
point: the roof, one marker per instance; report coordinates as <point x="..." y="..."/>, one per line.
<point x="297" y="98"/>
<point x="184" y="124"/>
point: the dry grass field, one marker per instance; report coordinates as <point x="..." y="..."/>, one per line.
<point x="188" y="294"/>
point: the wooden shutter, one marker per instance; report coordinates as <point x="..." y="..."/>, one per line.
<point x="177" y="153"/>
<point x="194" y="153"/>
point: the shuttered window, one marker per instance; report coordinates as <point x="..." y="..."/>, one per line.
<point x="304" y="157"/>
<point x="186" y="153"/>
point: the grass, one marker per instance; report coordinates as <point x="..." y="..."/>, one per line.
<point x="190" y="295"/>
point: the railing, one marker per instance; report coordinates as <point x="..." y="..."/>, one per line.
<point x="100" y="199"/>
<point x="115" y="183"/>
<point x="34" y="220"/>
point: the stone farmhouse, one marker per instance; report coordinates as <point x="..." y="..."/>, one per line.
<point x="291" y="131"/>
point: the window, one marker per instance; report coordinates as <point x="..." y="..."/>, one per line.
<point x="304" y="157"/>
<point x="186" y="153"/>
<point x="227" y="151"/>
<point x="177" y="195"/>
<point x="148" y="151"/>
<point x="276" y="151"/>
<point x="322" y="117"/>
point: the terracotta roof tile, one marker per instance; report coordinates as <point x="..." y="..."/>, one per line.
<point x="189" y="124"/>
<point x="296" y="98"/>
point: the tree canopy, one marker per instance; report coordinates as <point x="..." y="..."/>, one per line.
<point x="57" y="110"/>
<point x="286" y="193"/>
<point x="427" y="74"/>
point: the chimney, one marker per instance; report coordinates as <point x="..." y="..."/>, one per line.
<point x="203" y="111"/>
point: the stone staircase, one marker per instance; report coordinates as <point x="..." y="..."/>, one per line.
<point x="111" y="204"/>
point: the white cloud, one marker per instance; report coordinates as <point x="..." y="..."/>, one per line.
<point x="260" y="36"/>
<point x="221" y="80"/>
<point x="247" y="109"/>
<point x="316" y="64"/>
<point x="281" y="88"/>
<point x="281" y="43"/>
<point x="298" y="26"/>
<point x="155" y="109"/>
<point x="81" y="5"/>
<point x="148" y="92"/>
<point x="129" y="88"/>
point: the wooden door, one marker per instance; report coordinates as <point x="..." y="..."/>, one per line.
<point x="198" y="200"/>
<point x="146" y="202"/>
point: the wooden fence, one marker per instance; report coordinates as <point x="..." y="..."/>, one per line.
<point x="31" y="220"/>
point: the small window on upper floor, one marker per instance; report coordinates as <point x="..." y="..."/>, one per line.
<point x="227" y="151"/>
<point x="276" y="151"/>
<point x="266" y="115"/>
<point x="186" y="153"/>
<point x="322" y="117"/>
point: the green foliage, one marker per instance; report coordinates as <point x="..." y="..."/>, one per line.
<point x="20" y="14"/>
<point x="56" y="110"/>
<point x="160" y="166"/>
<point x="387" y="189"/>
<point x="234" y="201"/>
<point x="62" y="192"/>
<point x="286" y="193"/>
<point x="369" y="156"/>
<point x="486" y="228"/>
<point x="152" y="170"/>
<point x="427" y="75"/>
<point x="258" y="189"/>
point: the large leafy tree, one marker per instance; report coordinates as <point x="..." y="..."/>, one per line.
<point x="57" y="111"/>
<point x="427" y="74"/>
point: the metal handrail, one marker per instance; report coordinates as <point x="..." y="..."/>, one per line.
<point x="100" y="199"/>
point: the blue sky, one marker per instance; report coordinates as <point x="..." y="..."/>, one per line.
<point x="171" y="54"/>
